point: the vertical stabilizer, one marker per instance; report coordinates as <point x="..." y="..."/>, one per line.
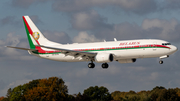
<point x="33" y="32"/>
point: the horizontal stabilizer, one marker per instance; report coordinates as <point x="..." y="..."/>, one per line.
<point x="21" y="48"/>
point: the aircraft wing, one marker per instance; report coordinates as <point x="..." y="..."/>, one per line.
<point x="22" y="48"/>
<point x="72" y="52"/>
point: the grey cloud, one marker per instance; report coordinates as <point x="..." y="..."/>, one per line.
<point x="10" y="20"/>
<point x="2" y="83"/>
<point x="22" y="3"/>
<point x="168" y="29"/>
<point x="90" y="20"/>
<point x="135" y="6"/>
<point x="9" y="53"/>
<point x="140" y="7"/>
<point x="150" y="28"/>
<point x="35" y="19"/>
<point x="70" y="5"/>
<point x="7" y="20"/>
<point x="25" y="3"/>
<point x="84" y="37"/>
<point x="121" y="31"/>
<point x="60" y="37"/>
<point x="171" y="4"/>
<point x="17" y="22"/>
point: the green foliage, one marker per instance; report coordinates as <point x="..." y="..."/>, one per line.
<point x="17" y="93"/>
<point x="70" y="98"/>
<point x="156" y="94"/>
<point x="83" y="97"/>
<point x="98" y="93"/>
<point x="51" y="89"/>
<point x="158" y="88"/>
<point x="54" y="89"/>
<point x="5" y="99"/>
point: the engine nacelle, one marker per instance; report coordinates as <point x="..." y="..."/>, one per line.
<point x="127" y="60"/>
<point x="104" y="57"/>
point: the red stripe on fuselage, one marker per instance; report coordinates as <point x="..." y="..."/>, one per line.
<point x="125" y="47"/>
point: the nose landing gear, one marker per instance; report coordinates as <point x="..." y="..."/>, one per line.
<point x="160" y="62"/>
<point x="162" y="57"/>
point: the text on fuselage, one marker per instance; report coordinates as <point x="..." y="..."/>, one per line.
<point x="129" y="43"/>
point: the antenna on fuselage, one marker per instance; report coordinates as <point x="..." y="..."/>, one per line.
<point x="115" y="39"/>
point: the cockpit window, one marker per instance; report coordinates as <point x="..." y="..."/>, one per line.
<point x="165" y="44"/>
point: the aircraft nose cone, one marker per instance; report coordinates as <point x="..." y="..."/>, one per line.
<point x="174" y="48"/>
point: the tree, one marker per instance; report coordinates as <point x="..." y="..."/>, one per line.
<point x="116" y="95"/>
<point x="51" y="89"/>
<point x="17" y="93"/>
<point x="8" y="95"/>
<point x="98" y="93"/>
<point x="71" y="98"/>
<point x="170" y="95"/>
<point x="80" y="97"/>
<point x="1" y="98"/>
<point x="158" y="88"/>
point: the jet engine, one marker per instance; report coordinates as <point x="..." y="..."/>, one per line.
<point x="104" y="57"/>
<point x="126" y="60"/>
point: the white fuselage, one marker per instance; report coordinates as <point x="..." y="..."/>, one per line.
<point x="127" y="49"/>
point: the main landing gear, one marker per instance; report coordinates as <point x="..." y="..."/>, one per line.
<point x="105" y="65"/>
<point x="92" y="65"/>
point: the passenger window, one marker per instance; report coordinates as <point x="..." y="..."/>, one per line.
<point x="166" y="44"/>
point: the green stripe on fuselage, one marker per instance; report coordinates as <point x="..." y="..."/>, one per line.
<point x="36" y="52"/>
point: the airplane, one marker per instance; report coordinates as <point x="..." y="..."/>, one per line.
<point x="126" y="51"/>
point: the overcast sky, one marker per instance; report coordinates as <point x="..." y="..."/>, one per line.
<point x="68" y="21"/>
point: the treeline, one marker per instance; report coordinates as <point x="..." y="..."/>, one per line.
<point x="54" y="89"/>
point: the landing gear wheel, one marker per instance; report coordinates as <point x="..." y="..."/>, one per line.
<point x="105" y="65"/>
<point x="91" y="65"/>
<point x="160" y="62"/>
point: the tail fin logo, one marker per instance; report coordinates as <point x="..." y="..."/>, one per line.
<point x="36" y="35"/>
